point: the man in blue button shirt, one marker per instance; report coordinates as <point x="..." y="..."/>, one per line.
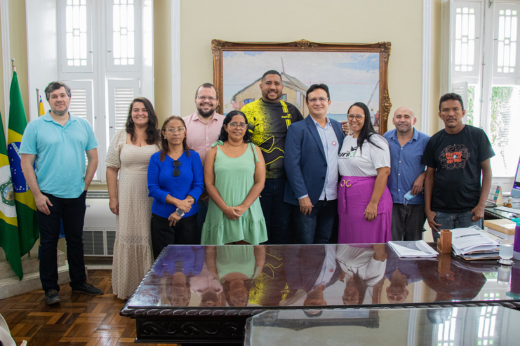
<point x="311" y="165"/>
<point x="407" y="175"/>
<point x="53" y="163"/>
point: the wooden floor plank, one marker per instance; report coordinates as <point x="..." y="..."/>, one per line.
<point x="79" y="320"/>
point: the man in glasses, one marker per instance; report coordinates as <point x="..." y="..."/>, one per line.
<point x="203" y="127"/>
<point x="268" y="118"/>
<point x="406" y="179"/>
<point x="311" y="163"/>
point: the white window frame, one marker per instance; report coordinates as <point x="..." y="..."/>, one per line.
<point x="138" y="38"/>
<point x="112" y="85"/>
<point x="103" y="75"/>
<point x="63" y="38"/>
<point x="456" y="81"/>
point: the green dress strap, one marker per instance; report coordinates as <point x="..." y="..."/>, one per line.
<point x="254" y="152"/>
<point x="218" y="142"/>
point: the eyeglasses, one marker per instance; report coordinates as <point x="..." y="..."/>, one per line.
<point x="318" y="99"/>
<point x="176" y="170"/>
<point x="204" y="98"/>
<point x="240" y="125"/>
<point x="356" y="116"/>
<point x="178" y="129"/>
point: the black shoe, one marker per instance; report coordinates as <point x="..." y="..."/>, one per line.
<point x="88" y="289"/>
<point x="52" y="297"/>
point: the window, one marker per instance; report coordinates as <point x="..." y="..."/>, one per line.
<point x="484" y="72"/>
<point x="104" y="61"/>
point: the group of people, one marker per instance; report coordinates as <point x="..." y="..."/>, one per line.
<point x="264" y="174"/>
<point x="295" y="275"/>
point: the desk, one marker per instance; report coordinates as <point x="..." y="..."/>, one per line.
<point x="494" y="213"/>
<point x="204" y="294"/>
<point x="453" y="326"/>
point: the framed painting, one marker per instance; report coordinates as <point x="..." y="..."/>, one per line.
<point x="353" y="72"/>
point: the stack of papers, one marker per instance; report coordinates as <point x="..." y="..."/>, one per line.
<point x="472" y="243"/>
<point x="413" y="249"/>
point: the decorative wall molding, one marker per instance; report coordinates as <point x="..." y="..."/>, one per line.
<point x="176" y="56"/>
<point x="6" y="57"/>
<point x="426" y="66"/>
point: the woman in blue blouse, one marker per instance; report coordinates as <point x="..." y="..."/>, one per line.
<point x="175" y="182"/>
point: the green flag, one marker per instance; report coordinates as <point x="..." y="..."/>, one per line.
<point x="9" y="240"/>
<point x="24" y="200"/>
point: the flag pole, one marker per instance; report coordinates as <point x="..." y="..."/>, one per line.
<point x="37" y="102"/>
<point x="13" y="65"/>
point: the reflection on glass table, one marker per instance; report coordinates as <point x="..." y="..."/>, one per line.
<point x="490" y="325"/>
<point x="313" y="275"/>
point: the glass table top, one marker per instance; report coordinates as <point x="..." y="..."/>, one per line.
<point x="490" y="325"/>
<point x="298" y="276"/>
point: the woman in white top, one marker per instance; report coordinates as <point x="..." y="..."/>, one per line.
<point x="127" y="166"/>
<point x="364" y="201"/>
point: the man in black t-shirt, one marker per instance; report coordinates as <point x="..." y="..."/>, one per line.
<point x="455" y="158"/>
<point x="268" y="118"/>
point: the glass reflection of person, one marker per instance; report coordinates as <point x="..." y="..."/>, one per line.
<point x="463" y="284"/>
<point x="207" y="287"/>
<point x="175" y="268"/>
<point x="235" y="267"/>
<point x="400" y="273"/>
<point x="311" y="268"/>
<point x="362" y="270"/>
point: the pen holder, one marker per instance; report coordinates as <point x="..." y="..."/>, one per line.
<point x="444" y="242"/>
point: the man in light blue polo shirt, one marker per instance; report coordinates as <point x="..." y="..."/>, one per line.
<point x="53" y="162"/>
<point x="311" y="165"/>
<point x="407" y="175"/>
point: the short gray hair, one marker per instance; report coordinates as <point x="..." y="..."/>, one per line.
<point x="55" y="86"/>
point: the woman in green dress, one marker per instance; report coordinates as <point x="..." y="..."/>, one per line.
<point x="234" y="176"/>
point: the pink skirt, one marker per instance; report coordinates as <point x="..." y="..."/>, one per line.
<point x="354" y="194"/>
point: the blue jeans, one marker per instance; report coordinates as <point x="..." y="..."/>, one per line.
<point x="453" y="220"/>
<point x="316" y="227"/>
<point x="72" y="212"/>
<point x="203" y="210"/>
<point x="277" y="213"/>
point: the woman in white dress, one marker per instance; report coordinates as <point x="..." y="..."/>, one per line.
<point x="363" y="269"/>
<point x="129" y="154"/>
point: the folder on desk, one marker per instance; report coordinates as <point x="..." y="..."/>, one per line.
<point x="473" y="244"/>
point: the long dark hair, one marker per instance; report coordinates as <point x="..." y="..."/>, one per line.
<point x="224" y="135"/>
<point x="164" y="141"/>
<point x="152" y="133"/>
<point x="367" y="131"/>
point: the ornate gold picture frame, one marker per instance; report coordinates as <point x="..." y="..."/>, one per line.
<point x="353" y="72"/>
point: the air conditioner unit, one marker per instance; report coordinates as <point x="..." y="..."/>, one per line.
<point x="99" y="230"/>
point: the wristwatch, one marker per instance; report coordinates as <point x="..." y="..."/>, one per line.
<point x="179" y="212"/>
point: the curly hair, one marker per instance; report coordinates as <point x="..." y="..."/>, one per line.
<point x="152" y="133"/>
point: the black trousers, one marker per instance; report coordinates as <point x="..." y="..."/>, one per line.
<point x="185" y="232"/>
<point x="407" y="221"/>
<point x="72" y="212"/>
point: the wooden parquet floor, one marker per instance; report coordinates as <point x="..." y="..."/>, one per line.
<point x="79" y="319"/>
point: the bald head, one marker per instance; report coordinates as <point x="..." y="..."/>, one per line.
<point x="404" y="119"/>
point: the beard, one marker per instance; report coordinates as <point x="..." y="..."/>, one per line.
<point x="267" y="98"/>
<point x="403" y="129"/>
<point x="206" y="114"/>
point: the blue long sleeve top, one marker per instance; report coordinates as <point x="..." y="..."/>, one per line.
<point x="162" y="183"/>
<point x="191" y="259"/>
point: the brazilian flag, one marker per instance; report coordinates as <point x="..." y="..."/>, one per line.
<point x="24" y="200"/>
<point x="9" y="240"/>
